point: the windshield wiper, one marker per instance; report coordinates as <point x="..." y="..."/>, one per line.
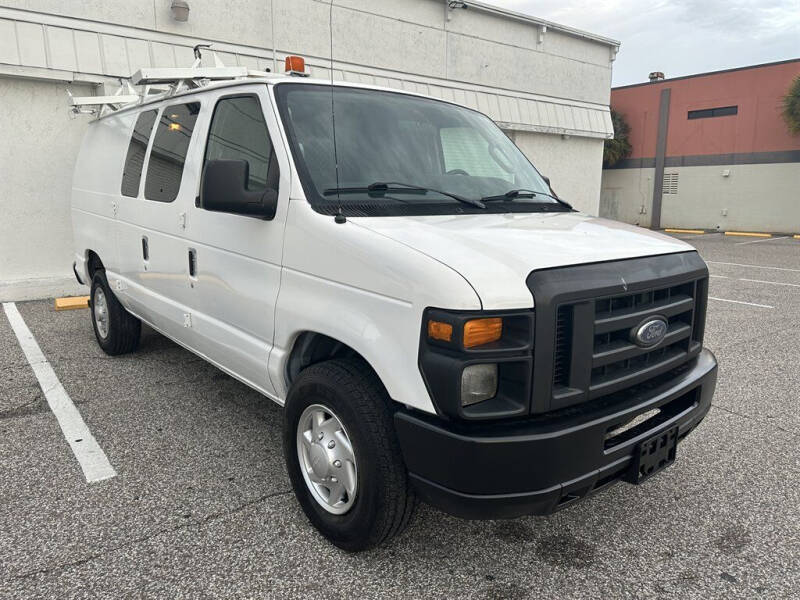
<point x="522" y="193"/>
<point x="510" y="195"/>
<point x="381" y="187"/>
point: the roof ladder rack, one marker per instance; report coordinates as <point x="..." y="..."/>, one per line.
<point x="95" y="104"/>
<point x="176" y="78"/>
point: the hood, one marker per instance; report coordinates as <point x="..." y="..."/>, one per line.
<point x="495" y="253"/>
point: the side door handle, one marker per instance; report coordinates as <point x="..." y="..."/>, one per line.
<point x="192" y="263"/>
<point x="145" y="251"/>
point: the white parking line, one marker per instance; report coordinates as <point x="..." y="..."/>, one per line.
<point x="770" y="282"/>
<point x="763" y="240"/>
<point x="716" y="262"/>
<point x="91" y="457"/>
<point x="740" y="302"/>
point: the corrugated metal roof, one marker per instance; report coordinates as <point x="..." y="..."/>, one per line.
<point x="67" y="49"/>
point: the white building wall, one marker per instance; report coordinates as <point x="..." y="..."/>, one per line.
<point x="724" y="197"/>
<point x="708" y="200"/>
<point x="37" y="156"/>
<point x="627" y="195"/>
<point x="536" y="79"/>
<point x="557" y="156"/>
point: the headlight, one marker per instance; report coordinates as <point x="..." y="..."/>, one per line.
<point x="482" y="331"/>
<point x="478" y="383"/>
<point x="470" y="333"/>
<point x="478" y="364"/>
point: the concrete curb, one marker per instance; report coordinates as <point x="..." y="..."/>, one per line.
<point x="748" y="234"/>
<point x="72" y="303"/>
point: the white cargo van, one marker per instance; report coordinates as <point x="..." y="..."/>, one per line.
<point x="394" y="272"/>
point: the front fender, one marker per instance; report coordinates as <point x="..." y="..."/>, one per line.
<point x="364" y="290"/>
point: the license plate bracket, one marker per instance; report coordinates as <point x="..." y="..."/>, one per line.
<point x="653" y="455"/>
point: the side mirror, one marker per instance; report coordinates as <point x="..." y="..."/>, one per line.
<point x="223" y="188"/>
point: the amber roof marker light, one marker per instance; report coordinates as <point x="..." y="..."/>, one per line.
<point x="296" y="65"/>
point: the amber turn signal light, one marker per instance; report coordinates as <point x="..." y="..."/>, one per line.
<point x="440" y="331"/>
<point x="482" y="331"/>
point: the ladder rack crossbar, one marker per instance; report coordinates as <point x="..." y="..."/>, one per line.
<point x="101" y="100"/>
<point x="169" y="75"/>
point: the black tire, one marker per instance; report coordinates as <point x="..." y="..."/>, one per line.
<point x="385" y="501"/>
<point x="124" y="329"/>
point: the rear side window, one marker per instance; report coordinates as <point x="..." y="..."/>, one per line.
<point x="134" y="160"/>
<point x="238" y="132"/>
<point x="165" y="168"/>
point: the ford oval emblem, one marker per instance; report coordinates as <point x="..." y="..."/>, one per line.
<point x="649" y="333"/>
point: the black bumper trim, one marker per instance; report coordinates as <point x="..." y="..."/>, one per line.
<point x="538" y="466"/>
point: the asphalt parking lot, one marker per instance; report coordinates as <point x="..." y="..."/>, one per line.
<point x="201" y="504"/>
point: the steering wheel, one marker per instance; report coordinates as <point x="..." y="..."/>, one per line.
<point x="457" y="172"/>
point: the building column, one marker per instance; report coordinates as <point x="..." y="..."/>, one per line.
<point x="661" y="150"/>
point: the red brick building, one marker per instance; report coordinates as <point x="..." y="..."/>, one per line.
<point x="709" y="150"/>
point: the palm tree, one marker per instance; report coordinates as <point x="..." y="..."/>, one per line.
<point x="618" y="147"/>
<point x="791" y="106"/>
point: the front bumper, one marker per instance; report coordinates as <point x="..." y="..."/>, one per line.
<point x="540" y="465"/>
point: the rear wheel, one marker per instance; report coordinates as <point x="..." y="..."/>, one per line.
<point x="117" y="331"/>
<point x="342" y="455"/>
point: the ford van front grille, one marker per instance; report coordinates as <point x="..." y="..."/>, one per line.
<point x="616" y="359"/>
<point x="587" y="318"/>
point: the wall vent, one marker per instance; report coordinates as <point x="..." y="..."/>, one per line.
<point x="670" y="183"/>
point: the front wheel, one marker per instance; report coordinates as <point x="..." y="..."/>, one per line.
<point x="117" y="331"/>
<point x="342" y="455"/>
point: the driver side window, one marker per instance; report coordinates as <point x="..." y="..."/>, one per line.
<point x="238" y="132"/>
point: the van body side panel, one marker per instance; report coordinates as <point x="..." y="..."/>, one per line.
<point x="163" y="274"/>
<point x="223" y="311"/>
<point x="96" y="189"/>
<point x="364" y="290"/>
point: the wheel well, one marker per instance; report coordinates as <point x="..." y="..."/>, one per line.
<point x="311" y="348"/>
<point x="93" y="263"/>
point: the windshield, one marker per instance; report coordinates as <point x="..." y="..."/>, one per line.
<point x="453" y="156"/>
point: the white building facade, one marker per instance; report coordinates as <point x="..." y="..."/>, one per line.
<point x="546" y="85"/>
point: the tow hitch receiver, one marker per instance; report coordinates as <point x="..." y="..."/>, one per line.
<point x="653" y="455"/>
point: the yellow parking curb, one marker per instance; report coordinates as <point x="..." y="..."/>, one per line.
<point x="72" y="303"/>
<point x="698" y="231"/>
<point x="797" y="237"/>
<point x="748" y="234"/>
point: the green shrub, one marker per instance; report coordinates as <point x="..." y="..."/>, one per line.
<point x="791" y="106"/>
<point x="618" y="147"/>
